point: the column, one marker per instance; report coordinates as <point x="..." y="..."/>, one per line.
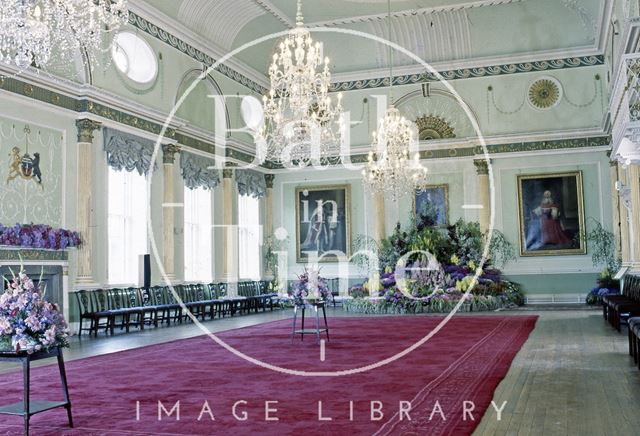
<point x="625" y="234"/>
<point x="169" y="211"/>
<point x="84" y="212"/>
<point x="615" y="207"/>
<point x="484" y="196"/>
<point x="634" y="222"/>
<point x="268" y="217"/>
<point x="230" y="233"/>
<point x="379" y="231"/>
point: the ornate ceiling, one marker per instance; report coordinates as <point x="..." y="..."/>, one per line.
<point x="443" y="32"/>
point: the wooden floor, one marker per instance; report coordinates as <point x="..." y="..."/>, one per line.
<point x="572" y="377"/>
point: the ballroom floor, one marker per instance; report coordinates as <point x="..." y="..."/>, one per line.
<point x="572" y="376"/>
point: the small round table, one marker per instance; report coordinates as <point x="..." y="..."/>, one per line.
<point x="316" y="305"/>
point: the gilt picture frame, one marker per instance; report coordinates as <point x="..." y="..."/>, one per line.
<point x="438" y="197"/>
<point x="323" y="222"/>
<point x="551" y="214"/>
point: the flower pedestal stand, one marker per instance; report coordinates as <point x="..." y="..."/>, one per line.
<point x="26" y="408"/>
<point x="316" y="305"/>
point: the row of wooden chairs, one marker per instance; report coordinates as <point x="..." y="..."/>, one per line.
<point x="625" y="309"/>
<point x="618" y="308"/>
<point x="138" y="307"/>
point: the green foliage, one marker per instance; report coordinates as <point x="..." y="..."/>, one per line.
<point x="364" y="243"/>
<point x="502" y="251"/>
<point x="467" y="241"/>
<point x="272" y="245"/>
<point x="602" y="244"/>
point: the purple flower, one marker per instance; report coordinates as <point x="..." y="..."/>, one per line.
<point x="39" y="236"/>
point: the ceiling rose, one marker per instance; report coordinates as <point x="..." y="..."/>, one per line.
<point x="545" y="93"/>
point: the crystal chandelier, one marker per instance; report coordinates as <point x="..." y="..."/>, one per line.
<point x="301" y="122"/>
<point x="392" y="170"/>
<point x="32" y="30"/>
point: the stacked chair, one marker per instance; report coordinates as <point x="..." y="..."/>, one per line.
<point x="106" y="309"/>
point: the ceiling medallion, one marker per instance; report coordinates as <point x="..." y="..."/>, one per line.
<point x="31" y="31"/>
<point x="545" y="93"/>
<point x="434" y="127"/>
<point x="302" y="124"/>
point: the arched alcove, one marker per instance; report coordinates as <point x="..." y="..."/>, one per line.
<point x="199" y="108"/>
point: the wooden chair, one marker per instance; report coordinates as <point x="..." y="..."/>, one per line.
<point x="86" y="312"/>
<point x="102" y="309"/>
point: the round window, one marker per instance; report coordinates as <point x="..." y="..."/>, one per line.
<point x="134" y="57"/>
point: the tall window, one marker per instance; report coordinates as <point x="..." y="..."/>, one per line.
<point x="197" y="235"/>
<point x="249" y="253"/>
<point x="127" y="225"/>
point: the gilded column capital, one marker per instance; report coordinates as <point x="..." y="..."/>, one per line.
<point x="482" y="167"/>
<point x="269" y="178"/>
<point x="86" y="127"/>
<point x="227" y="173"/>
<point x="169" y="153"/>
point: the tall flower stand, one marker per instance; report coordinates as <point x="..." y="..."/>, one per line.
<point x="316" y="306"/>
<point x="26" y="408"/>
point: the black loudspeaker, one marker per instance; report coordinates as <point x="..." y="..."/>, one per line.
<point x="145" y="270"/>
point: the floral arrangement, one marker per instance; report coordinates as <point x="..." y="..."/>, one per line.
<point x="38" y="236"/>
<point x="439" y="284"/>
<point x="309" y="285"/>
<point x="607" y="285"/>
<point x="27" y="321"/>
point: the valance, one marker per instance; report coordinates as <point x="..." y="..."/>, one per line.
<point x="251" y="183"/>
<point x="197" y="171"/>
<point x="127" y="152"/>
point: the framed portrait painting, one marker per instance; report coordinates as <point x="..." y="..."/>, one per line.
<point x="433" y="200"/>
<point x="323" y="222"/>
<point x="551" y="214"/>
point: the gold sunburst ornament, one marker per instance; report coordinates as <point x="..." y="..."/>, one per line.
<point x="545" y="93"/>
<point x="434" y="127"/>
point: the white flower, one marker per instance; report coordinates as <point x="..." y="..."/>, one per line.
<point x="5" y="326"/>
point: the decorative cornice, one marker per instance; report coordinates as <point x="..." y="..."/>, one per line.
<point x="269" y="178"/>
<point x="85" y="105"/>
<point x="169" y="153"/>
<point x="182" y="46"/>
<point x="469" y="73"/>
<point x="493" y="149"/>
<point x="86" y="127"/>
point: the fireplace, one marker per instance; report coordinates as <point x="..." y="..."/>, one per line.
<point x="48" y="266"/>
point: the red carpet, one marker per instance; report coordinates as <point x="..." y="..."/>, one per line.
<point x="463" y="362"/>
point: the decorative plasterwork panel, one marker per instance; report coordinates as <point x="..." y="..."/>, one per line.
<point x="23" y="200"/>
<point x="434" y="38"/>
<point x="219" y="21"/>
<point x="408" y="12"/>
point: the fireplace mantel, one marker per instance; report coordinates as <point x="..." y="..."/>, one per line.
<point x="9" y="253"/>
<point x="54" y="264"/>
